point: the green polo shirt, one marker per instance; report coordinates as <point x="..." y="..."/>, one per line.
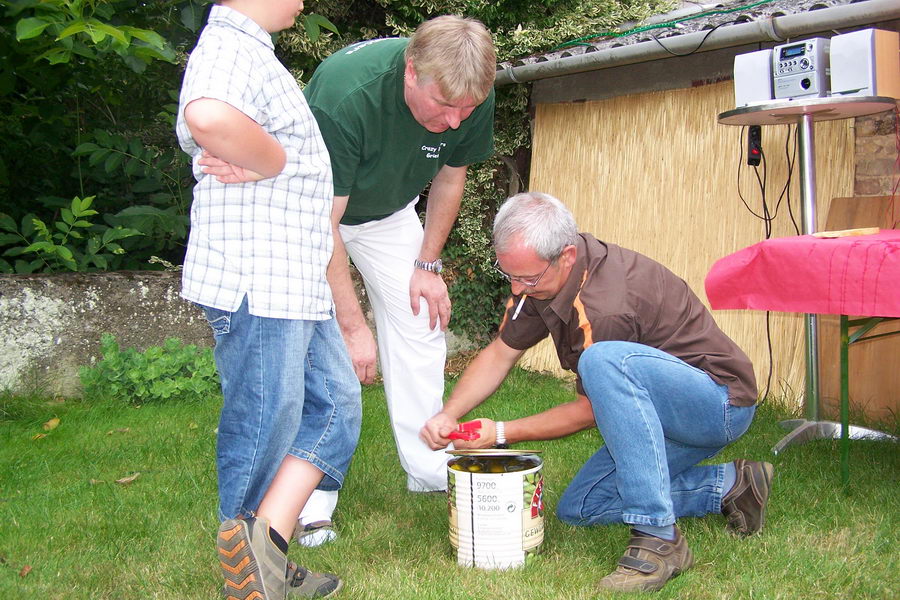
<point x="381" y="157"/>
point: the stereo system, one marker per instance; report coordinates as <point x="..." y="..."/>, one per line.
<point x="861" y="63"/>
<point x="801" y="69"/>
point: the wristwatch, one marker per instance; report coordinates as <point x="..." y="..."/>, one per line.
<point x="435" y="266"/>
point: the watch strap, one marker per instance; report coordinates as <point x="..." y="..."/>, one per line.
<point x="500" y="435"/>
<point x="434" y="266"/>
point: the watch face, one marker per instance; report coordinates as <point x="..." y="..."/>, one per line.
<point x="438" y="266"/>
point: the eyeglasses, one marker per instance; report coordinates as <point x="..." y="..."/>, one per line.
<point x="525" y="282"/>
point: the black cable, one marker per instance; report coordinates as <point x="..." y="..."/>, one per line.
<point x="791" y="157"/>
<point x="785" y="190"/>
<point x="762" y="217"/>
<point x="767" y="218"/>
<point x="771" y="355"/>
<point x="700" y="45"/>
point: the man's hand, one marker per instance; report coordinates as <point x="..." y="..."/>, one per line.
<point x="361" y="346"/>
<point x="430" y="286"/>
<point x="436" y="429"/>
<point x="225" y="172"/>
<point x="487" y="437"/>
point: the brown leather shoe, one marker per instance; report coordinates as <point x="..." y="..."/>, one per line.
<point x="745" y="505"/>
<point x="648" y="563"/>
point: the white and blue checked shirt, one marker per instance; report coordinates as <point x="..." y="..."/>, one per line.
<point x="270" y="240"/>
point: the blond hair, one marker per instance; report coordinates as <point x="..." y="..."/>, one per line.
<point x="457" y="53"/>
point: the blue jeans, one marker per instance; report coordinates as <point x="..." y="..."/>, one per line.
<point x="289" y="388"/>
<point x="659" y="417"/>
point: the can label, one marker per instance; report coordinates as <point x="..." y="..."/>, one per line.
<point x="496" y="519"/>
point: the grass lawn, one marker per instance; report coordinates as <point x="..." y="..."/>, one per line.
<point x="69" y="531"/>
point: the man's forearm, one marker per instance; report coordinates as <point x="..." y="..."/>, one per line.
<point x="349" y="312"/>
<point x="481" y="378"/>
<point x="559" y="421"/>
<point x="444" y="199"/>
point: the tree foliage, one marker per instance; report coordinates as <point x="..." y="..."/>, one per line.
<point x="88" y="93"/>
<point x="519" y="28"/>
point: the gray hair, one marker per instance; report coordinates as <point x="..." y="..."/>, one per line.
<point x="539" y="221"/>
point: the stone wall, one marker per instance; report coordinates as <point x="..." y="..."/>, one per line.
<point x="50" y="325"/>
<point x="876" y="155"/>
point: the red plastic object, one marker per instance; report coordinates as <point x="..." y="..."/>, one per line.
<point x="466" y="431"/>
<point x="464" y="435"/>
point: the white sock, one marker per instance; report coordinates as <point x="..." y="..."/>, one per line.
<point x="319" y="507"/>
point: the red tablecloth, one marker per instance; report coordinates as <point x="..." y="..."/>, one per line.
<point x="854" y="275"/>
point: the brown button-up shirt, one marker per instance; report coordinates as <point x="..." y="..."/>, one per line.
<point x="615" y="294"/>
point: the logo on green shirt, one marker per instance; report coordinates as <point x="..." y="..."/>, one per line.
<point x="433" y="151"/>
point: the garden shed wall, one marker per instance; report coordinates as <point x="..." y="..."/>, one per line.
<point x="638" y="155"/>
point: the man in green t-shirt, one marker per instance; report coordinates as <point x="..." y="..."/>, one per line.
<point x="397" y="114"/>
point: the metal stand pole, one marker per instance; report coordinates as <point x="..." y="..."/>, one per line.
<point x="806" y="429"/>
<point x="808" y="215"/>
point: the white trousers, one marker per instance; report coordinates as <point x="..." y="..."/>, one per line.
<point x="411" y="354"/>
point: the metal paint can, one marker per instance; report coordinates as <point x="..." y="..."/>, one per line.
<point x="496" y="507"/>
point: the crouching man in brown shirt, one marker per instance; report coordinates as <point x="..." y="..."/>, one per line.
<point x="664" y="385"/>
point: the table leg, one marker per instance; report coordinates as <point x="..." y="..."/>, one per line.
<point x="845" y="402"/>
<point x="804" y="430"/>
<point x="807" y="155"/>
<point x="811" y="399"/>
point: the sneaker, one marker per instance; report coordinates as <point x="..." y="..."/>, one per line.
<point x="253" y="566"/>
<point x="648" y="563"/>
<point x="744" y="506"/>
<point x="303" y="583"/>
<point x="315" y="533"/>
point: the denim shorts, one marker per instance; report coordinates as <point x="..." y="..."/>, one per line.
<point x="289" y="389"/>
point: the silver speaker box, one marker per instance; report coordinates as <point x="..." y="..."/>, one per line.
<point x="753" y="78"/>
<point x="866" y="63"/>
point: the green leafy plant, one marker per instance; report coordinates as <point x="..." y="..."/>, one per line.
<point x="74" y="243"/>
<point x="82" y="28"/>
<point x="173" y="371"/>
<point x="313" y="25"/>
<point x="151" y="181"/>
<point x="476" y="290"/>
<point x="90" y="86"/>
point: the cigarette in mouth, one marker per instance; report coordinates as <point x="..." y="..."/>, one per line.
<point x="519" y="306"/>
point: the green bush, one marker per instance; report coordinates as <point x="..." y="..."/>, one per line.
<point x="73" y="243"/>
<point x="91" y="88"/>
<point x="172" y="371"/>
